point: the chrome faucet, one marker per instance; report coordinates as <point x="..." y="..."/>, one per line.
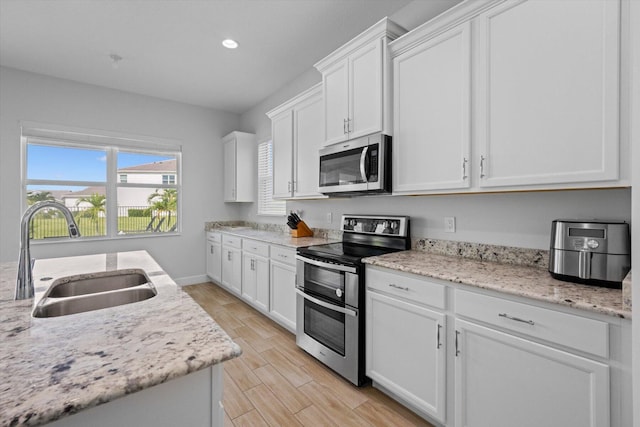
<point x="24" y="284"/>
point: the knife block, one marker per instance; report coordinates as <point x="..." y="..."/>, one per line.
<point x="303" y="230"/>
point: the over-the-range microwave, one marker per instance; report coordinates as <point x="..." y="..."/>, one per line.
<point x="357" y="167"/>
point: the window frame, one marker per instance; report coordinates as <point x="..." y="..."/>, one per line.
<point x="261" y="208"/>
<point x="111" y="143"/>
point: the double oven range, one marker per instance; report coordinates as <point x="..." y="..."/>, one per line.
<point x="330" y="288"/>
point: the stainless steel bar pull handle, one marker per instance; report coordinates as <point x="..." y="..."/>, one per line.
<point x="482" y="159"/>
<point x="402" y="288"/>
<point x="517" y="319"/>
<point x="464" y="168"/>
<point x="457" y="345"/>
<point x="439" y="344"/>
<point x="344" y="126"/>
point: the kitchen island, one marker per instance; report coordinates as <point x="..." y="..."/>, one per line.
<point x="54" y="367"/>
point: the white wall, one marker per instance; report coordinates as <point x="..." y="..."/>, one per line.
<point x="635" y="236"/>
<point x="33" y="97"/>
<point x="510" y="219"/>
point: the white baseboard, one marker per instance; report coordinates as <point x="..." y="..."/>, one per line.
<point x="192" y="280"/>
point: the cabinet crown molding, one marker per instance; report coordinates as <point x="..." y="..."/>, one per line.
<point x="458" y="14"/>
<point x="290" y="103"/>
<point x="383" y="28"/>
<point x="236" y="135"/>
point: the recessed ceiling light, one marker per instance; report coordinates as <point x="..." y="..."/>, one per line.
<point x="229" y="44"/>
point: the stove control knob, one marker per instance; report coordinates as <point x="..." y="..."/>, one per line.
<point x="339" y="293"/>
<point x="592" y="243"/>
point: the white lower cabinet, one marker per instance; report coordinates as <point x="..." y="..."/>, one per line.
<point x="232" y="269"/>
<point x="255" y="273"/>
<point x="282" y="304"/>
<point x="468" y="357"/>
<point x="405" y="351"/>
<point x="503" y="381"/>
<point x="214" y="258"/>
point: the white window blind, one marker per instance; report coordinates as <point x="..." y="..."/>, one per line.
<point x="266" y="204"/>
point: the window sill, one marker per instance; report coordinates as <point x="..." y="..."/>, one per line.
<point x="66" y="240"/>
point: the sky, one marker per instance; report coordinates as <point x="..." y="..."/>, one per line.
<point x="76" y="164"/>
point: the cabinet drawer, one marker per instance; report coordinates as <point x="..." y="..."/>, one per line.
<point x="233" y="241"/>
<point x="580" y="333"/>
<point x="214" y="237"/>
<point x="410" y="287"/>
<point x="285" y="255"/>
<point x="255" y="247"/>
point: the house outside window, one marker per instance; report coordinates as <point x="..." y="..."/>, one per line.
<point x="114" y="186"/>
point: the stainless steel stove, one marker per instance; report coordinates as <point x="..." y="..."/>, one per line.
<point x="330" y="289"/>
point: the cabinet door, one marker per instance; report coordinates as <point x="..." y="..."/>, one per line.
<point x="365" y="90"/>
<point x="308" y="120"/>
<point x="505" y="381"/>
<point x="261" y="266"/>
<point x="231" y="269"/>
<point x="431" y="137"/>
<point x="548" y="94"/>
<point x="283" y="296"/>
<point x="406" y="351"/>
<point x="282" y="134"/>
<point x="335" y="82"/>
<point x="229" y="171"/>
<point x="214" y="260"/>
<point x="248" y="277"/>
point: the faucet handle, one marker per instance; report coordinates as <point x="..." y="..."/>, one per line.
<point x="73" y="231"/>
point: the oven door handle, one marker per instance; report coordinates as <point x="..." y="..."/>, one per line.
<point x="327" y="265"/>
<point x="321" y="303"/>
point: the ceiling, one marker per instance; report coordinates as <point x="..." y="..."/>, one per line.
<point x="171" y="49"/>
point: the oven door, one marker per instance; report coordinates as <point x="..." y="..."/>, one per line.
<point x="330" y="333"/>
<point x="328" y="320"/>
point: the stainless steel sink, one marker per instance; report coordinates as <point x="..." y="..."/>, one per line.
<point x="78" y="294"/>
<point x="53" y="307"/>
<point x="109" y="281"/>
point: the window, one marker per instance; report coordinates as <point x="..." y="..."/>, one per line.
<point x="114" y="186"/>
<point x="266" y="204"/>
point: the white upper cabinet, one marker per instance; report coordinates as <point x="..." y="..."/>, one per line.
<point x="512" y="95"/>
<point x="432" y="100"/>
<point x="282" y="137"/>
<point x="356" y="83"/>
<point x="296" y="128"/>
<point x="307" y="130"/>
<point x="548" y="92"/>
<point x="239" y="151"/>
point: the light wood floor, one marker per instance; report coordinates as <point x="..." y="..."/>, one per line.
<point x="275" y="383"/>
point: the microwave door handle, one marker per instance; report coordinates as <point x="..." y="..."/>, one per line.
<point x="321" y="303"/>
<point x="363" y="162"/>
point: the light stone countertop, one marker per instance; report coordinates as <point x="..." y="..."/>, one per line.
<point x="53" y="367"/>
<point x="530" y="282"/>
<point x="274" y="237"/>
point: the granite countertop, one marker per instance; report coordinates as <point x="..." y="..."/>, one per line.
<point x="274" y="237"/>
<point x="57" y="366"/>
<point x="530" y="282"/>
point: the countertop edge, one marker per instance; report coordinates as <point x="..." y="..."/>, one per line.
<point x="455" y="277"/>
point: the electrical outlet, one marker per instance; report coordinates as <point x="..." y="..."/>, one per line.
<point x="449" y="224"/>
<point x="329" y="217"/>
